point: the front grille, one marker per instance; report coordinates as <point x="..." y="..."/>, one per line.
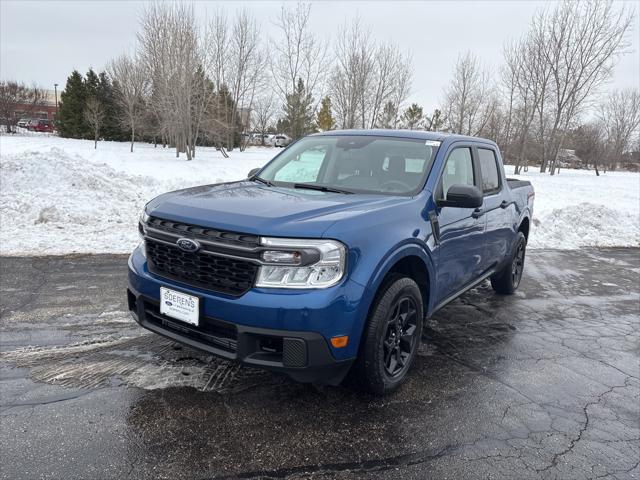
<point x="208" y="271"/>
<point x="210" y="330"/>
<point x="204" y="233"/>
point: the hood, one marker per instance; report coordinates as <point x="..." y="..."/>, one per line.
<point x="255" y="208"/>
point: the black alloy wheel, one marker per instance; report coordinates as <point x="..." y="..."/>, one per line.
<point x="508" y="278"/>
<point x="400" y="339"/>
<point x="391" y="337"/>
<point x="517" y="265"/>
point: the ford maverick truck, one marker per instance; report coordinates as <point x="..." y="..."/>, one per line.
<point x="326" y="261"/>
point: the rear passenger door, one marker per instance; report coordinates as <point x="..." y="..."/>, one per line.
<point x="460" y="251"/>
<point x="498" y="235"/>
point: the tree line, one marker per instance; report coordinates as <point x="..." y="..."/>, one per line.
<point x="192" y="82"/>
<point x="548" y="83"/>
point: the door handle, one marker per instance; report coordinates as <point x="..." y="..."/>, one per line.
<point x="477" y="213"/>
<point x="505" y="204"/>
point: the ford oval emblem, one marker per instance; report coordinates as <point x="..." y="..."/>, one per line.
<point x="188" y="245"/>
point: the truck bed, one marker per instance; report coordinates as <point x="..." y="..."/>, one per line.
<point x="515" y="183"/>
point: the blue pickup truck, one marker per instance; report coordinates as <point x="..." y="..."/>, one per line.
<point x="326" y="261"/>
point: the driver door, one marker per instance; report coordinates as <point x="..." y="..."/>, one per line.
<point x="461" y="247"/>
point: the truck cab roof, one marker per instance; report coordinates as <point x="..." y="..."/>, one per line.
<point x="416" y="134"/>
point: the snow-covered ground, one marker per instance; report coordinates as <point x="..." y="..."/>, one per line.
<point x="575" y="208"/>
<point x="61" y="196"/>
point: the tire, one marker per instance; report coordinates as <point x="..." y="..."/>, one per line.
<point x="508" y="279"/>
<point x="386" y="356"/>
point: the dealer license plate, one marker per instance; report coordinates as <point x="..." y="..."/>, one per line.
<point x="180" y="306"/>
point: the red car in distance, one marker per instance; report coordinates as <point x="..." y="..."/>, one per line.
<point x="40" y="126"/>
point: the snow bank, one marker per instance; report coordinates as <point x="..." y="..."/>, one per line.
<point x="60" y="196"/>
<point x="53" y="202"/>
<point x="576" y="208"/>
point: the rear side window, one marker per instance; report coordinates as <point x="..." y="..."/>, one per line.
<point x="458" y="170"/>
<point x="489" y="167"/>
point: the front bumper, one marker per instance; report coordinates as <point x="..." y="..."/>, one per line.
<point x="285" y="331"/>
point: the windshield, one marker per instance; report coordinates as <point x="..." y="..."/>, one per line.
<point x="365" y="164"/>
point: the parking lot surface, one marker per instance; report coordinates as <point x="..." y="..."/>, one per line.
<point x="541" y="384"/>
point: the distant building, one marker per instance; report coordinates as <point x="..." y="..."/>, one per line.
<point x="46" y="110"/>
<point x="631" y="161"/>
<point x="569" y="159"/>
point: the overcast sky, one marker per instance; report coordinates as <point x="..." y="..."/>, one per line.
<point x="43" y="42"/>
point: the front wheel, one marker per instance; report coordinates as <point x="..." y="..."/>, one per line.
<point x="508" y="279"/>
<point x="391" y="338"/>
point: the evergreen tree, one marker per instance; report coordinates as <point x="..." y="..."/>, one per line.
<point x="436" y="122"/>
<point x="70" y="120"/>
<point x="91" y="82"/>
<point x="413" y="117"/>
<point x="298" y="112"/>
<point x="389" y="116"/>
<point x="217" y="127"/>
<point x="91" y="86"/>
<point x="111" y="129"/>
<point x="324" y="119"/>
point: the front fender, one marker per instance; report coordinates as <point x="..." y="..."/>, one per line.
<point x="383" y="267"/>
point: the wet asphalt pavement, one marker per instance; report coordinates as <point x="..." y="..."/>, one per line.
<point x="542" y="384"/>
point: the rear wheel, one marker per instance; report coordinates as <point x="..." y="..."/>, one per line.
<point x="508" y="279"/>
<point x="391" y="337"/>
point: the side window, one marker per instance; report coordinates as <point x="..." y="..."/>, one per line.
<point x="304" y="168"/>
<point x="489" y="167"/>
<point x="458" y="170"/>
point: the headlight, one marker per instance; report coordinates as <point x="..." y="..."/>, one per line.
<point x="142" y="223"/>
<point x="143" y="249"/>
<point x="301" y="263"/>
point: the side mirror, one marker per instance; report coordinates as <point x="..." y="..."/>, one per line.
<point x="462" y="196"/>
<point x="252" y="172"/>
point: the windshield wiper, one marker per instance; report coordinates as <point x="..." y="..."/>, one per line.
<point x="321" y="188"/>
<point x="261" y="180"/>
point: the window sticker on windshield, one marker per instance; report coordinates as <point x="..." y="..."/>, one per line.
<point x="432" y="143"/>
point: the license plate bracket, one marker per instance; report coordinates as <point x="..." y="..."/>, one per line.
<point x="179" y="305"/>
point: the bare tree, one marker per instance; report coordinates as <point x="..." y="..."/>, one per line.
<point x="297" y="52"/>
<point x="94" y="115"/>
<point x="527" y="75"/>
<point x="469" y="100"/>
<point x="246" y="66"/>
<point x="584" y="41"/>
<point x="237" y="67"/>
<point x="369" y="82"/>
<point x="171" y="51"/>
<point x="391" y="83"/>
<point x="130" y="85"/>
<point x="352" y="74"/>
<point x="17" y="97"/>
<point x="263" y="113"/>
<point x="619" y="115"/>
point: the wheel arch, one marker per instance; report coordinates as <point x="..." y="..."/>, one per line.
<point x="524" y="227"/>
<point x="411" y="260"/>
